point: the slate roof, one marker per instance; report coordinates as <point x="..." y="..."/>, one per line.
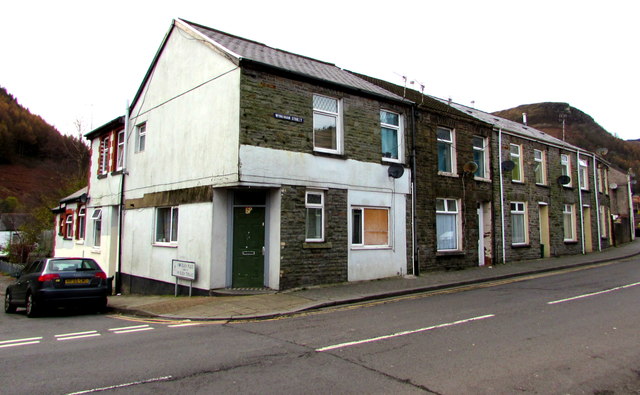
<point x="244" y="49"/>
<point x="510" y="126"/>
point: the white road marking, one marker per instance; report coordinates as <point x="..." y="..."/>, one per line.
<point x="20" y="342"/>
<point x="594" y="293"/>
<point x="404" y="333"/>
<point x="128" y="327"/>
<point x="181" y="325"/>
<point x="76" y="335"/>
<point x="164" y="378"/>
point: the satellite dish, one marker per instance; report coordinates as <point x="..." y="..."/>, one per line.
<point x="564" y="180"/>
<point x="470" y="167"/>
<point x="613" y="185"/>
<point x="396" y="170"/>
<point x="508" y="165"/>
<point x="602" y="151"/>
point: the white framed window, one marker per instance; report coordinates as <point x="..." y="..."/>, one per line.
<point x="82" y="215"/>
<point x="166" y="225"/>
<point x="600" y="181"/>
<point x="448" y="225"/>
<point x="446" y="150"/>
<point x="391" y="135"/>
<point x="583" y="167"/>
<point x="565" y="168"/>
<point x="103" y="159"/>
<point x="604" y="221"/>
<point x="141" y="137"/>
<point x="519" y="223"/>
<point x="314" y="205"/>
<point x="327" y="124"/>
<point x="120" y="151"/>
<point x="481" y="156"/>
<point x="569" y="222"/>
<point x="370" y="227"/>
<point x="606" y="180"/>
<point x="540" y="166"/>
<point x="68" y="227"/>
<point x="96" y="218"/>
<point x="515" y="153"/>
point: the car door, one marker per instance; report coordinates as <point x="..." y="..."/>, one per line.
<point x="29" y="274"/>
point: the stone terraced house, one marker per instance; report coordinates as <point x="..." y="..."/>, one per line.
<point x="261" y="168"/>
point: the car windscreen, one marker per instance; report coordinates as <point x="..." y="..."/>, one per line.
<point x="72" y="265"/>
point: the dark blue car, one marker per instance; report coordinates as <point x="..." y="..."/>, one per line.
<point x="58" y="282"/>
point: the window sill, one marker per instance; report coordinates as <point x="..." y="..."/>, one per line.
<point x="542" y="185"/>
<point x="446" y="174"/>
<point x="101" y="176"/>
<point x="567" y="186"/>
<point x="369" y="248"/>
<point x="317" y="245"/>
<point x="95" y="250"/>
<point x="116" y="172"/>
<point x="481" y="179"/>
<point x="329" y="154"/>
<point x="570" y="241"/>
<point x="80" y="242"/>
<point x="166" y="245"/>
<point x="525" y="245"/>
<point x="517" y="182"/>
<point x="391" y="160"/>
<point x="450" y="253"/>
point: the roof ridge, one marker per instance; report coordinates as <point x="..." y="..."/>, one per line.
<point x="234" y="36"/>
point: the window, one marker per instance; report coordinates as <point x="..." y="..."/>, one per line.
<point x="96" y="217"/>
<point x="446" y="144"/>
<point x="447" y="224"/>
<point x="481" y="156"/>
<point x="604" y="220"/>
<point x="141" y="137"/>
<point x="391" y="135"/>
<point x="370" y="227"/>
<point x="120" y="151"/>
<point x="167" y="225"/>
<point x="81" y="223"/>
<point x="606" y="181"/>
<point x="569" y="222"/>
<point x="515" y="153"/>
<point x="68" y="228"/>
<point x="327" y="128"/>
<point x="600" y="181"/>
<point x="583" y="167"/>
<point x="565" y="167"/>
<point x="314" y="204"/>
<point x="540" y="168"/>
<point x="103" y="159"/>
<point x="518" y="223"/>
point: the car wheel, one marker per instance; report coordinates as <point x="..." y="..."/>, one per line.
<point x="8" y="307"/>
<point x="101" y="307"/>
<point x="32" y="306"/>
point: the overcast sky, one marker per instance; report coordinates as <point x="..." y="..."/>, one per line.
<point x="83" y="60"/>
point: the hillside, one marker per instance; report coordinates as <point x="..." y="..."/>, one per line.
<point x="37" y="163"/>
<point x="580" y="130"/>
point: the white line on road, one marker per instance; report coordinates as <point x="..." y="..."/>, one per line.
<point x="77" y="335"/>
<point x="20" y="342"/>
<point x="182" y="325"/>
<point x="129" y="327"/>
<point x="594" y="293"/>
<point x="164" y="378"/>
<point x="132" y="330"/>
<point x="404" y="333"/>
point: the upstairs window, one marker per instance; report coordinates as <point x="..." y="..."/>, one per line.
<point x="314" y="205"/>
<point x="583" y="166"/>
<point x="600" y="180"/>
<point x="370" y="227"/>
<point x="167" y="225"/>
<point x="141" y="137"/>
<point x="120" y="151"/>
<point x="515" y="153"/>
<point x="540" y="167"/>
<point x="446" y="147"/>
<point x="391" y="135"/>
<point x="481" y="156"/>
<point x="103" y="158"/>
<point x="327" y="124"/>
<point x="565" y="168"/>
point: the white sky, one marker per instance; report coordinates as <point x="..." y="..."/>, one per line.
<point x="83" y="60"/>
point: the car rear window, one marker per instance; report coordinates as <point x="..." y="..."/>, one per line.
<point x="72" y="265"/>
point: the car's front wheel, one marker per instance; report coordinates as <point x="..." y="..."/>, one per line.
<point x="32" y="307"/>
<point x="9" y="308"/>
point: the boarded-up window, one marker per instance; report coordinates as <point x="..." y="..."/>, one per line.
<point x="370" y="226"/>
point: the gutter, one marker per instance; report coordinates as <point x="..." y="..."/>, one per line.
<point x="595" y="186"/>
<point x="414" y="190"/>
<point x="504" y="259"/>
<point x="580" y="202"/>
<point x="121" y="205"/>
<point x="631" y="213"/>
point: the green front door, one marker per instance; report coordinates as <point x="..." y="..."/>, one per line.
<point x="248" y="247"/>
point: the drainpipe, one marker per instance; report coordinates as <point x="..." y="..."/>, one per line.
<point x="414" y="190"/>
<point x="580" y="202"/>
<point x="121" y="208"/>
<point x="504" y="259"/>
<point x="595" y="183"/>
<point x="631" y="214"/>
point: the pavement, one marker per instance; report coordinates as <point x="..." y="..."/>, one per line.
<point x="277" y="304"/>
